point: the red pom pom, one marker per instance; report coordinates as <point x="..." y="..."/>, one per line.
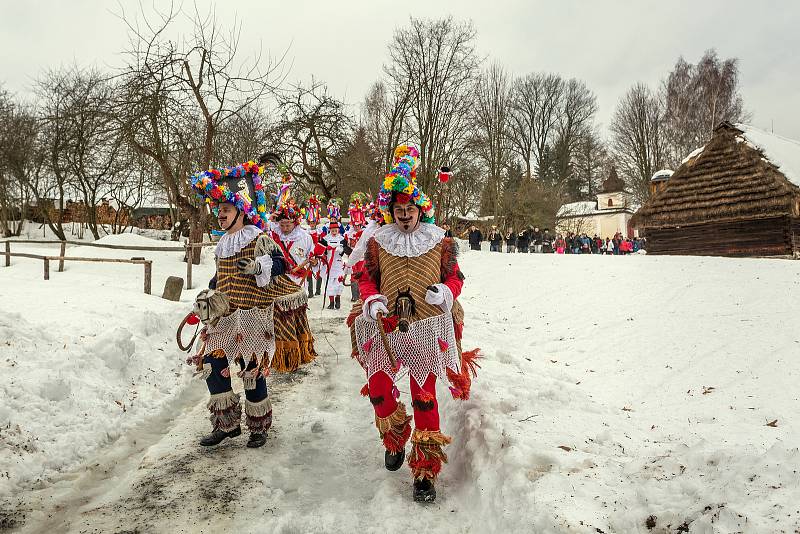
<point x="403" y="198"/>
<point x="192" y="319"/>
<point x="390" y="323"/>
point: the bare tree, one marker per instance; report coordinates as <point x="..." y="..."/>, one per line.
<point x="436" y="61"/>
<point x="536" y="108"/>
<point x="384" y="117"/>
<point x="313" y="133"/>
<point x="590" y="162"/>
<point x="699" y="97"/>
<point x="176" y="96"/>
<point x="578" y="109"/>
<point x="86" y="143"/>
<point x="134" y="184"/>
<point x="492" y="107"/>
<point x="462" y="196"/>
<point x="639" y="145"/>
<point x="13" y="194"/>
<point x="35" y="156"/>
<point x="244" y="137"/>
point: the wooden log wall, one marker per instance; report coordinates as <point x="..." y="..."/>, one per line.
<point x="796" y="236"/>
<point x="759" y="237"/>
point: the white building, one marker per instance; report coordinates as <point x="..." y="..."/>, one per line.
<point x="604" y="217"/>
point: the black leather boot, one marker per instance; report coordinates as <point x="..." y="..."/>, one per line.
<point x="424" y="490"/>
<point x="330" y="306"/>
<point x="257" y="439"/>
<point x="216" y="437"/>
<point x="338" y="302"/>
<point x="393" y="461"/>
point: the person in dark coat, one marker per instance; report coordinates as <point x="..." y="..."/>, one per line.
<point x="536" y="240"/>
<point x="523" y="241"/>
<point x="474" y="237"/>
<point x="495" y="240"/>
<point x="511" y="240"/>
<point x="547" y="242"/>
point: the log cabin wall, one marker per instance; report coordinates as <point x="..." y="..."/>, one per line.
<point x="775" y="236"/>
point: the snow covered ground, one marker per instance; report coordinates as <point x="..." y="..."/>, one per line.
<point x="617" y="394"/>
<point x="85" y="356"/>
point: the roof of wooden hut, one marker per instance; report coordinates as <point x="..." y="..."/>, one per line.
<point x="742" y="173"/>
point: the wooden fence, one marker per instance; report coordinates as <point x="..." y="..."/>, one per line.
<point x="61" y="258"/>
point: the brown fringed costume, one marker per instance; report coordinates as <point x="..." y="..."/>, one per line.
<point x="400" y="266"/>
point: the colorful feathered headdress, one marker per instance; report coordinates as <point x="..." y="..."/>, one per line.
<point x="334" y="211"/>
<point x="400" y="184"/>
<point x="284" y="206"/>
<point x="313" y="210"/>
<point x="356" y="211"/>
<point x="372" y="212"/>
<point x="239" y="185"/>
<point x="288" y="210"/>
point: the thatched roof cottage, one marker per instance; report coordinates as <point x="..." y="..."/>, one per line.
<point x="737" y="196"/>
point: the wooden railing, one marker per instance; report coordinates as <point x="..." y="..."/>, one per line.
<point x="187" y="249"/>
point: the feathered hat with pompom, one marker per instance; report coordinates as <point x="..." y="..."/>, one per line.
<point x="239" y="185"/>
<point x="285" y="206"/>
<point x="334" y="209"/>
<point x="400" y="185"/>
<point x="356" y="211"/>
<point x="313" y="210"/>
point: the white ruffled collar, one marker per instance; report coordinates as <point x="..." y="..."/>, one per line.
<point x="398" y="243"/>
<point x="231" y="244"/>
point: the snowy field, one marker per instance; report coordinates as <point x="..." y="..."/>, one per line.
<point x="617" y="394"/>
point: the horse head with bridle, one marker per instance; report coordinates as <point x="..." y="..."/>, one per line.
<point x="404" y="308"/>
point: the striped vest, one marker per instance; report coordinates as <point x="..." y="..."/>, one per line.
<point x="400" y="273"/>
<point x="241" y="288"/>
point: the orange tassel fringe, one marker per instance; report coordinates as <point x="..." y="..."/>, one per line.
<point x="463" y="381"/>
<point x="395" y="429"/>
<point x="427" y="456"/>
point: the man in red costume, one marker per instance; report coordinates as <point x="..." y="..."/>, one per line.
<point x="411" y="268"/>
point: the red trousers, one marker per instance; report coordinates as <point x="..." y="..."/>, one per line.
<point x="423" y="400"/>
<point x="426" y="457"/>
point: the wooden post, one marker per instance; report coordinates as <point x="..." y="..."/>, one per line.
<point x="61" y="259"/>
<point x="189" y="258"/>
<point x="47" y="268"/>
<point x="8" y="253"/>
<point x="148" y="273"/>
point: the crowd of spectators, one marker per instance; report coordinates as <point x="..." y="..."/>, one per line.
<point x="534" y="240"/>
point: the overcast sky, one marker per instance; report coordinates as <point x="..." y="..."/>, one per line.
<point x="610" y="45"/>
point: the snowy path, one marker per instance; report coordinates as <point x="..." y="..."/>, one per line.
<point x="172" y="485"/>
<point x="616" y="395"/>
<point x="321" y="467"/>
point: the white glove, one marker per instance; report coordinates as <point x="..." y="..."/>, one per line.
<point x="440" y="295"/>
<point x="377" y="306"/>
<point x="434" y="296"/>
<point x="248" y="266"/>
<point x="340" y="249"/>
